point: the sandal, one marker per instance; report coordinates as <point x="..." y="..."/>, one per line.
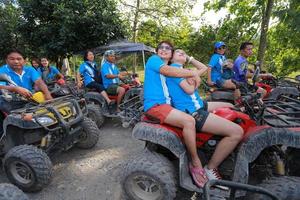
<point x="196" y="173"/>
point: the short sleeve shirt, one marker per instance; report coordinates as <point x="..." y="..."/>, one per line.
<point x="155" y="86"/>
<point x="26" y="79"/>
<point x="240" y="68"/>
<point x="216" y="63"/>
<point x="88" y="71"/>
<point x="181" y="100"/>
<point x="106" y="69"/>
<point x="53" y="71"/>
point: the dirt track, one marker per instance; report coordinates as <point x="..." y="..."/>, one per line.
<point x="93" y="174"/>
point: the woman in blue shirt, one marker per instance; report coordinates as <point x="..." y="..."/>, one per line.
<point x="185" y="97"/>
<point x="47" y="72"/>
<point x="215" y="69"/>
<point x="91" y="75"/>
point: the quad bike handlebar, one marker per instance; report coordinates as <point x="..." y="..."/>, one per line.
<point x="234" y="186"/>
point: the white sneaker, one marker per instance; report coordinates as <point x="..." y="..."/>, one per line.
<point x="213" y="174"/>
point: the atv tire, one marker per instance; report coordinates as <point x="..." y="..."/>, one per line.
<point x="90" y="135"/>
<point x="149" y="176"/>
<point x="11" y="192"/>
<point x="28" y="167"/>
<point x="284" y="187"/>
<point x="95" y="113"/>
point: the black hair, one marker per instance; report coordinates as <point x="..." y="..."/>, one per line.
<point x="14" y="51"/>
<point x="86" y="54"/>
<point x="245" y="44"/>
<point x="166" y="42"/>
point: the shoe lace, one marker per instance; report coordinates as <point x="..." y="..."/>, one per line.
<point x="216" y="174"/>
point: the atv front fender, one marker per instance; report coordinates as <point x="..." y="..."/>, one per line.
<point x="278" y="91"/>
<point x="257" y="142"/>
<point x="95" y="97"/>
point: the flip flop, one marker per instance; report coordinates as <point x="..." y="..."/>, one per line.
<point x="196" y="172"/>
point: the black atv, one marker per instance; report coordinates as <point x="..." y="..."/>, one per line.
<point x="34" y="132"/>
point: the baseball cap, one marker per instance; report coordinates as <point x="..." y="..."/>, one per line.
<point x="219" y="44"/>
<point x="109" y="53"/>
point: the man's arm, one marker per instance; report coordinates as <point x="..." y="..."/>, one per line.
<point x="43" y="87"/>
<point x="22" y="91"/>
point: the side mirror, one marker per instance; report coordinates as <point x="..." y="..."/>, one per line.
<point x="5" y="78"/>
<point x="255" y="74"/>
<point x="123" y="69"/>
<point x="297" y="78"/>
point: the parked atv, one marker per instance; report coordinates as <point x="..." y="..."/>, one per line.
<point x="131" y="106"/>
<point x="268" y="155"/>
<point x="32" y="133"/>
<point x="11" y="192"/>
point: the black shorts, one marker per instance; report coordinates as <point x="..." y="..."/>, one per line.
<point x="94" y="85"/>
<point x="200" y="116"/>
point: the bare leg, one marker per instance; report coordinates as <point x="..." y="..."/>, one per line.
<point x="229" y="84"/>
<point x="104" y="94"/>
<point x="211" y="106"/>
<point x="121" y="92"/>
<point x="232" y="133"/>
<point x="187" y="122"/>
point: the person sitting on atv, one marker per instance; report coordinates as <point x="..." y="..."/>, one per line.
<point x="91" y="75"/>
<point x="185" y="97"/>
<point x="49" y="73"/>
<point x="216" y="67"/>
<point x="35" y="63"/>
<point x="240" y="67"/>
<point x="157" y="102"/>
<point x="23" y="77"/>
<point x="111" y="76"/>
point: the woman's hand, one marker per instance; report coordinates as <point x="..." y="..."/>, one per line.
<point x="210" y="83"/>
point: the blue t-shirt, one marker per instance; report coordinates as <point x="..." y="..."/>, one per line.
<point x="216" y="63"/>
<point x="89" y="71"/>
<point x="25" y="80"/>
<point x="109" y="68"/>
<point x="240" y="68"/>
<point x="155" y="86"/>
<point x="53" y="71"/>
<point x="181" y="100"/>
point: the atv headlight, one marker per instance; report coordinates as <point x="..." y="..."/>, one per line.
<point x="45" y="120"/>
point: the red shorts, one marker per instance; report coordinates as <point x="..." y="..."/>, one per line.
<point x="159" y="112"/>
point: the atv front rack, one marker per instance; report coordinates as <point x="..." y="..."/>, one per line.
<point x="131" y="110"/>
<point x="283" y="113"/>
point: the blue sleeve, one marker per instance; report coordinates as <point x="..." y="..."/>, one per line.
<point x="105" y="69"/>
<point x="34" y="74"/>
<point x="155" y="63"/>
<point x="55" y="70"/>
<point x="213" y="61"/>
<point x="238" y="67"/>
<point x="177" y="80"/>
<point x="81" y="68"/>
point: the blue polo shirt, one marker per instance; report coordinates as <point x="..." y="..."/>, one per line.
<point x="240" y="68"/>
<point x="216" y="63"/>
<point x="155" y="86"/>
<point x="25" y="80"/>
<point x="89" y="71"/>
<point x="181" y="100"/>
<point x="109" y="68"/>
<point x="53" y="71"/>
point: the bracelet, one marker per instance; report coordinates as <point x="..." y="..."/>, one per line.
<point x="191" y="58"/>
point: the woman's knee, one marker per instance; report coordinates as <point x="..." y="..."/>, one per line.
<point x="188" y="121"/>
<point x="237" y="132"/>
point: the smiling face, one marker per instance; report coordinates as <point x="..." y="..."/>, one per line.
<point x="34" y="63"/>
<point x="221" y="50"/>
<point x="179" y="56"/>
<point x="164" y="51"/>
<point x="44" y="62"/>
<point x="15" y="60"/>
<point x="90" y="56"/>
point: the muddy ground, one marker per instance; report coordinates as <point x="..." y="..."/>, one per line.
<point x="94" y="174"/>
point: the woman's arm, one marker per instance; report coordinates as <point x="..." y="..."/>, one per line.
<point x="187" y="88"/>
<point x="201" y="68"/>
<point x="209" y="82"/>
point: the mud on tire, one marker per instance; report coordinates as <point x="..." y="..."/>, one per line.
<point x="90" y="134"/>
<point x="28" y="167"/>
<point x="95" y="113"/>
<point x="149" y="176"/>
<point x="11" y="192"/>
<point x="284" y="187"/>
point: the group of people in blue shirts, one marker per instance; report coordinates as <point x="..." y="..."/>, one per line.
<point x="171" y="97"/>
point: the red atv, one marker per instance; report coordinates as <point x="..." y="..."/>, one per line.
<point x="268" y="155"/>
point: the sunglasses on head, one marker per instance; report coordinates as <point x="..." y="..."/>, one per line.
<point x="165" y="47"/>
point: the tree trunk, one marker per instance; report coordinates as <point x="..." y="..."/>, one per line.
<point x="135" y="21"/>
<point x="264" y="30"/>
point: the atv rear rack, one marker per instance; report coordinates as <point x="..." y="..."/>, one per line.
<point x="284" y="113"/>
